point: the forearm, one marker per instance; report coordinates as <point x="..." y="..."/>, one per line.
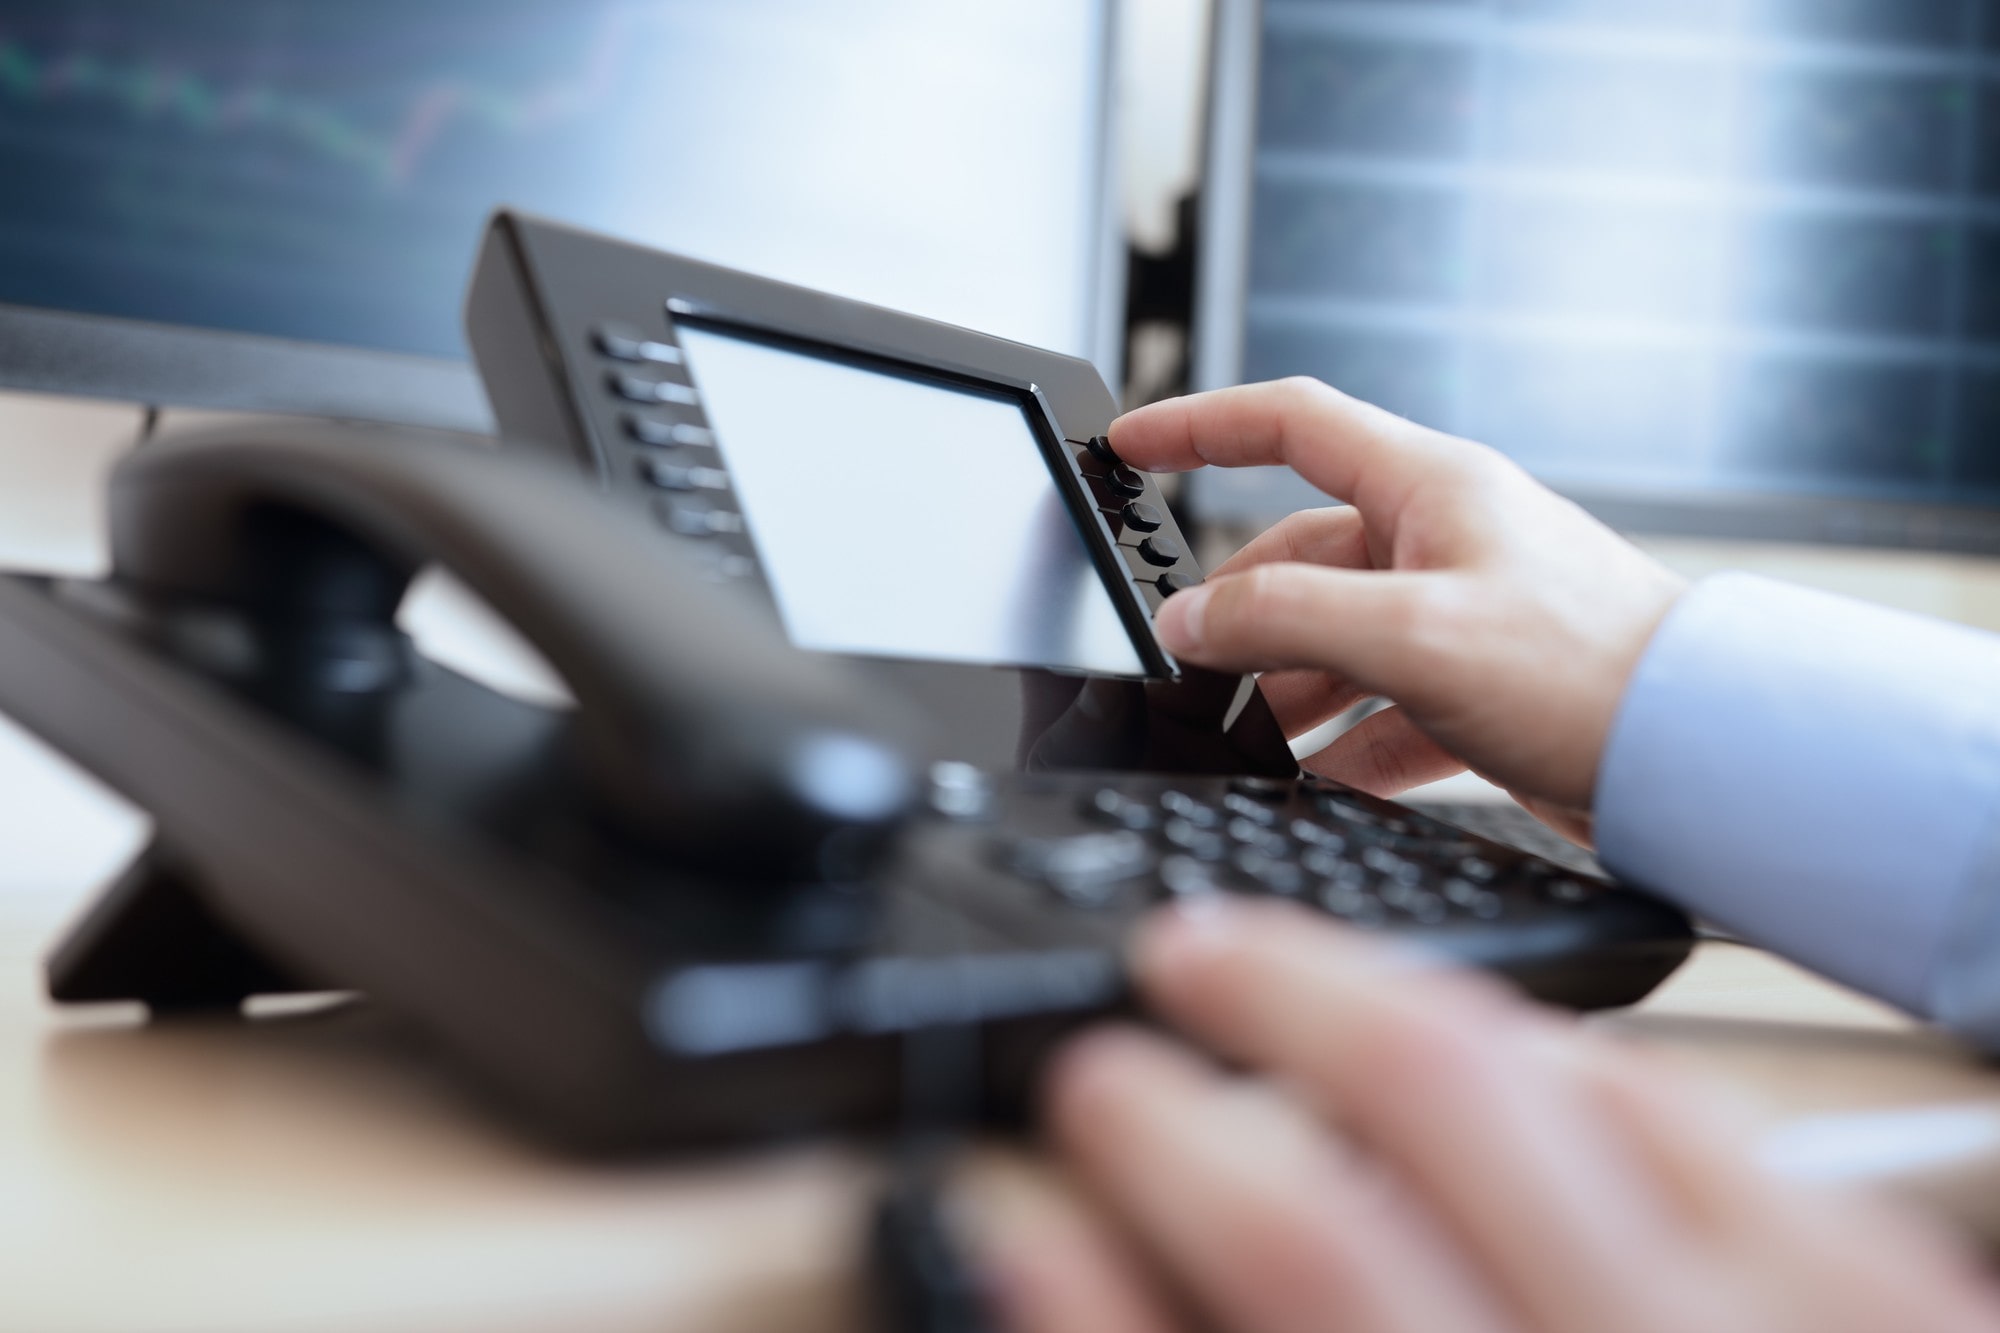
<point x="1823" y="777"/>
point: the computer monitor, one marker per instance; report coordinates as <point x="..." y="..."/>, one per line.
<point x="1716" y="267"/>
<point x="274" y="204"/>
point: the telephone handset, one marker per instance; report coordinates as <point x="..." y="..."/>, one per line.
<point x="696" y="728"/>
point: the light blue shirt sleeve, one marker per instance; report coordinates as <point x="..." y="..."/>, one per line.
<point x="1820" y="776"/>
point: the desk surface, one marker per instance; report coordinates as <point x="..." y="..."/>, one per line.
<point x="313" y="1171"/>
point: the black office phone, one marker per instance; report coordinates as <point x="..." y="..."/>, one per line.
<point x="874" y="759"/>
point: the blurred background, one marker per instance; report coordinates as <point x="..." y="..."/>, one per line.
<point x="1726" y="271"/>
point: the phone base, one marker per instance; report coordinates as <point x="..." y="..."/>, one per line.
<point x="151" y="938"/>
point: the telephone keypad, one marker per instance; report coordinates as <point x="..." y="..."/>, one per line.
<point x="1313" y="841"/>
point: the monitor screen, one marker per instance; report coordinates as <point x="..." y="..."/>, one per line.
<point x="319" y="173"/>
<point x="1743" y="246"/>
<point x="903" y="516"/>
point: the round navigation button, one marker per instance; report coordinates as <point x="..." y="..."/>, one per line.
<point x="1100" y="449"/>
<point x="1159" y="551"/>
<point x="1142" y="517"/>
<point x="1169" y="584"/>
<point x="1126" y="482"/>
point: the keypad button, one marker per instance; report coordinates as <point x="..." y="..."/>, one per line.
<point x="1201" y="843"/>
<point x="1425" y="908"/>
<point x="1085" y="869"/>
<point x="1477" y="869"/>
<point x="1111" y="806"/>
<point x="1142" y="517"/>
<point x="1173" y="582"/>
<point x="1317" y="835"/>
<point x="1190" y="808"/>
<point x="1126" y="482"/>
<point x="1237" y="803"/>
<point x="1274" y="790"/>
<point x="1183" y="876"/>
<point x="1566" y="891"/>
<point x="960" y="791"/>
<point x="1280" y="877"/>
<point x="1356" y="909"/>
<point x="626" y="342"/>
<point x="1159" y="551"/>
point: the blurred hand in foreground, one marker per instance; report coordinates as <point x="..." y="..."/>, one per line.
<point x="1501" y="619"/>
<point x="1415" y="1151"/>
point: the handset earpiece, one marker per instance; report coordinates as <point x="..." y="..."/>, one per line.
<point x="699" y="729"/>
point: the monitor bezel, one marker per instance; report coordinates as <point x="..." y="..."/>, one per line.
<point x="1216" y="333"/>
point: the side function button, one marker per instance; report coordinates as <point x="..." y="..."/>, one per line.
<point x="680" y="477"/>
<point x="1100" y="449"/>
<point x="649" y="430"/>
<point x="1142" y="517"/>
<point x="666" y="434"/>
<point x="624" y="342"/>
<point x="1171" y="583"/>
<point x="643" y="388"/>
<point x="698" y="518"/>
<point x="1159" y="551"/>
<point x="1126" y="482"/>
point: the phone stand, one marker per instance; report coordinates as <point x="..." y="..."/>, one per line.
<point x="150" y="937"/>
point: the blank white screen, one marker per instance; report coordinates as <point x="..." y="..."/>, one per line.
<point x="899" y="517"/>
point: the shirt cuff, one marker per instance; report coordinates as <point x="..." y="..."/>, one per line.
<point x="1815" y="774"/>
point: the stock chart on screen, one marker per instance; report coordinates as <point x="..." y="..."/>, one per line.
<point x="280" y="168"/>
<point x="320" y="169"/>
<point x="1645" y="243"/>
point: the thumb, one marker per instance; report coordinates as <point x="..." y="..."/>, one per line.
<point x="1357" y="623"/>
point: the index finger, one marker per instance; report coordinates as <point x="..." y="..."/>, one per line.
<point x="1352" y="450"/>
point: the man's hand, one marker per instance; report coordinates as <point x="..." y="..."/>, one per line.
<point x="1415" y="1151"/>
<point x="1501" y="619"/>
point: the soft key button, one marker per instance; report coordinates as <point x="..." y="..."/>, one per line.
<point x="624" y="342"/>
<point x="1126" y="482"/>
<point x="1142" y="517"/>
<point x="1159" y="551"/>
<point x="643" y="388"/>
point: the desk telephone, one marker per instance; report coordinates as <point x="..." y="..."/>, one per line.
<point x="874" y="752"/>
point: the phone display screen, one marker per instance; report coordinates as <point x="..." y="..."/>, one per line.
<point x="901" y="516"/>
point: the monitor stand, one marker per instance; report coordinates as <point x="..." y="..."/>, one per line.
<point x="150" y="937"/>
